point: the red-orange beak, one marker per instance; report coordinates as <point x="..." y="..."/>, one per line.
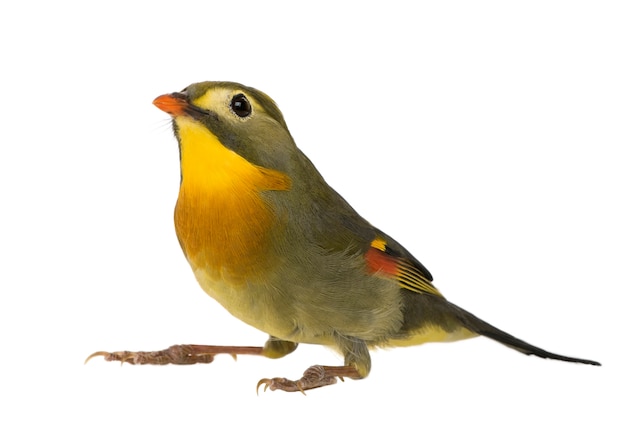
<point x="173" y="104"/>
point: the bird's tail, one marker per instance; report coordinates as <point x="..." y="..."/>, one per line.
<point x="481" y="327"/>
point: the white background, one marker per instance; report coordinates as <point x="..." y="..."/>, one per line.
<point x="488" y="138"/>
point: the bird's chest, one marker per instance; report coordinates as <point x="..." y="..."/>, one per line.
<point x="224" y="233"/>
<point x="227" y="240"/>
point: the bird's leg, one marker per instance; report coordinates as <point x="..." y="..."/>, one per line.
<point x="192" y="353"/>
<point x="357" y="365"/>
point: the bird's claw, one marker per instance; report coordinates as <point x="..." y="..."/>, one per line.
<point x="313" y="377"/>
<point x="121" y="356"/>
<point x="97" y="354"/>
<point x="280" y="384"/>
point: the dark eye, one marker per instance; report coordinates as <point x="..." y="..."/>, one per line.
<point x="240" y="105"/>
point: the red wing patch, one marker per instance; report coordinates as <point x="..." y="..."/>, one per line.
<point x="381" y="261"/>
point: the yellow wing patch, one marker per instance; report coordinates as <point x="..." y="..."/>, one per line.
<point x="379" y="243"/>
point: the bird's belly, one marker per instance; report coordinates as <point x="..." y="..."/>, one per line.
<point x="295" y="313"/>
<point x="259" y="307"/>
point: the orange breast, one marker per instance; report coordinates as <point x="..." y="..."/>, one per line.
<point x="223" y="233"/>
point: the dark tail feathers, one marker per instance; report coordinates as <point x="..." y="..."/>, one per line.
<point x="481" y="327"/>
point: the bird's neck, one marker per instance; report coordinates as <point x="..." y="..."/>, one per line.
<point x="222" y="221"/>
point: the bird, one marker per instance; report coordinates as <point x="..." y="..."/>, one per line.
<point x="269" y="239"/>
